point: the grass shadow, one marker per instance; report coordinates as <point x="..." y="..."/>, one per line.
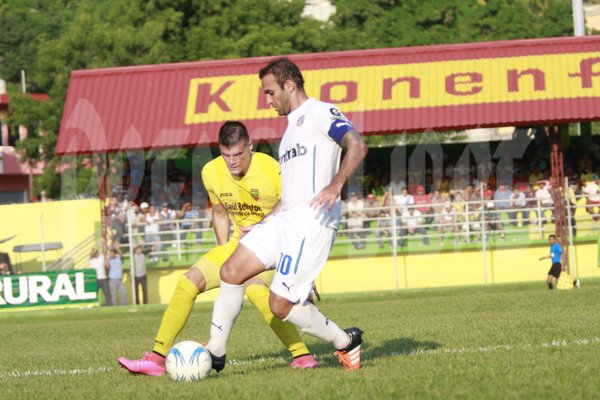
<point x="389" y="348"/>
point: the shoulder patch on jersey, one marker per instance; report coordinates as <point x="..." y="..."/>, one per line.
<point x="300" y="120"/>
<point x="335" y="112"/>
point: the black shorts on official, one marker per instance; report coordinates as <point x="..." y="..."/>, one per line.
<point x="555" y="270"/>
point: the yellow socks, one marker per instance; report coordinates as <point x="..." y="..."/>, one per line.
<point x="285" y="331"/>
<point x="176" y="315"/>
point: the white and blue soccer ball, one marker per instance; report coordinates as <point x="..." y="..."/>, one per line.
<point x="188" y="361"/>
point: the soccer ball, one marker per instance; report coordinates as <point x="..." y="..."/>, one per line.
<point x="188" y="361"/>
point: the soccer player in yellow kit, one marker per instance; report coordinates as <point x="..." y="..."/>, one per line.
<point x="242" y="187"/>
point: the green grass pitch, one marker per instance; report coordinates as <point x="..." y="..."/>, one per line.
<point x="518" y="341"/>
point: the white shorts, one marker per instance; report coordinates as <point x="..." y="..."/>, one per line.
<point x="296" y="245"/>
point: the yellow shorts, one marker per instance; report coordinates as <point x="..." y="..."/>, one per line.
<point x="210" y="265"/>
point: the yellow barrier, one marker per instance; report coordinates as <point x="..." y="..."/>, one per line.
<point x="68" y="222"/>
<point x="415" y="271"/>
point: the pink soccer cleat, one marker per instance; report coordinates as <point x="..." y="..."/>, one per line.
<point x="150" y="364"/>
<point x="305" y="361"/>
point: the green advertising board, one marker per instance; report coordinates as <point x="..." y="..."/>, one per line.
<point x="56" y="288"/>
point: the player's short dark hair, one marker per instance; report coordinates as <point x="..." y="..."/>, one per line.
<point x="233" y="132"/>
<point x="283" y="69"/>
<point x="552" y="237"/>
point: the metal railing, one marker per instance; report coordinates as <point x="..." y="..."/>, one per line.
<point x="75" y="258"/>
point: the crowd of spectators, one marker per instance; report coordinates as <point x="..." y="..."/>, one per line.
<point x="446" y="204"/>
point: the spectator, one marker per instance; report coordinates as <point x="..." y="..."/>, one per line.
<point x="544" y="199"/>
<point x="492" y="219"/>
<point x="134" y="214"/>
<point x="167" y="216"/>
<point x="412" y="223"/>
<point x="97" y="263"/>
<point x="458" y="202"/>
<point x="115" y="277"/>
<point x="403" y="199"/>
<point x="371" y="210"/>
<point x="531" y="200"/>
<point x="384" y="220"/>
<point x="472" y="224"/>
<point x="423" y="203"/>
<point x="536" y="175"/>
<point x="437" y="205"/>
<point x="503" y="202"/>
<point x="150" y="219"/>
<point x="447" y="221"/>
<point x="469" y="193"/>
<point x="5" y="265"/>
<point x="396" y="184"/>
<point x="592" y="200"/>
<point x="141" y="278"/>
<point x="190" y="215"/>
<point x="356" y="217"/>
<point x="573" y="206"/>
<point x="519" y="203"/>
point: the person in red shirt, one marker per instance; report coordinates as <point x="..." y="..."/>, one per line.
<point x="423" y="203"/>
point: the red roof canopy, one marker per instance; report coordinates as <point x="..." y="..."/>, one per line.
<point x="443" y="87"/>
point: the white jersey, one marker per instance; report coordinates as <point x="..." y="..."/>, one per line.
<point x="309" y="155"/>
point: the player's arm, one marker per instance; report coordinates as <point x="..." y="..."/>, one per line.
<point x="356" y="150"/>
<point x="221" y="223"/>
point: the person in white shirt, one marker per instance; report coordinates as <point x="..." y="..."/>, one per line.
<point x="544" y="198"/>
<point x="519" y="203"/>
<point x="448" y="221"/>
<point x="167" y="216"/>
<point x="151" y="228"/>
<point x="297" y="237"/>
<point x="396" y="184"/>
<point x="356" y="218"/>
<point x="412" y="223"/>
<point x="403" y="199"/>
<point x="592" y="200"/>
<point x="97" y="263"/>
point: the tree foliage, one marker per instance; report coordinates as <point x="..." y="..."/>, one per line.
<point x="51" y="38"/>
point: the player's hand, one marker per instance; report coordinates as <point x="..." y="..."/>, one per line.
<point x="325" y="199"/>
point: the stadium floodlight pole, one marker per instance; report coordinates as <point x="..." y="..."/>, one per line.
<point x="578" y="18"/>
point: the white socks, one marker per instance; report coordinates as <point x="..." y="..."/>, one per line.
<point x="310" y="320"/>
<point x="225" y="310"/>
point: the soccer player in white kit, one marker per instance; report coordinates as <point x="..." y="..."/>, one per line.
<point x="296" y="238"/>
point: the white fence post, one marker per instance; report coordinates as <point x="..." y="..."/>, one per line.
<point x="483" y="234"/>
<point x="131" y="261"/>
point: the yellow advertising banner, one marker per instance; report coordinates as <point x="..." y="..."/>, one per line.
<point x="408" y="86"/>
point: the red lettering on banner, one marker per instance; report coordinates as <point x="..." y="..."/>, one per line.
<point x="586" y="73"/>
<point x="513" y="76"/>
<point x="351" y="92"/>
<point x="414" y="86"/>
<point x="205" y="97"/>
<point x="453" y="81"/>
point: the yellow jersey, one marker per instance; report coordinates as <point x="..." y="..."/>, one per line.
<point x="247" y="199"/>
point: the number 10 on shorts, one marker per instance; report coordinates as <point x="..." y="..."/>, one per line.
<point x="284" y="265"/>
